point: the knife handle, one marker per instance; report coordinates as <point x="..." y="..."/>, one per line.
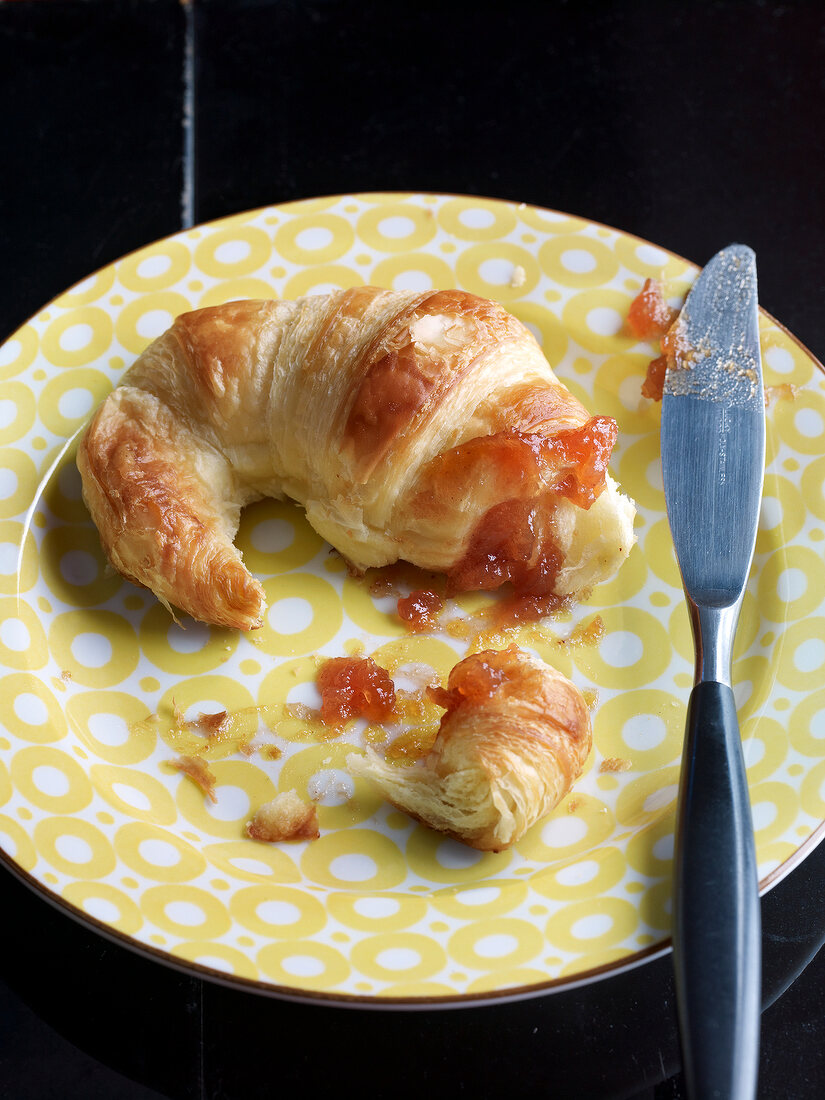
<point x="717" y="921"/>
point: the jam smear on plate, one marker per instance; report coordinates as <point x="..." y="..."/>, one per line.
<point x="354" y="687"/>
<point x="420" y="609"/>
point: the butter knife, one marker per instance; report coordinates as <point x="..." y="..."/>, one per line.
<point x="713" y="459"/>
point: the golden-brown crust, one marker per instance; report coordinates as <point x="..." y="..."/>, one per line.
<point x="156" y="516"/>
<point x="219" y="343"/>
<point x="343" y="402"/>
<point x="513" y="741"/>
<point x="530" y="405"/>
<point x="425" y="352"/>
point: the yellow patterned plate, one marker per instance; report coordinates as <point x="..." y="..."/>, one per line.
<point x="378" y="909"/>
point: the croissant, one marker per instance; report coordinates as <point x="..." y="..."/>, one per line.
<point x="514" y="739"/>
<point x="426" y="427"/>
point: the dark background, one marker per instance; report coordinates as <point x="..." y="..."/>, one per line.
<point x="691" y="125"/>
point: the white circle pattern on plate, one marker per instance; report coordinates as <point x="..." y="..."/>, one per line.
<point x="378" y="907"/>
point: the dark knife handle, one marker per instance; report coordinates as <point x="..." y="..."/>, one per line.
<point x="717" y="924"/>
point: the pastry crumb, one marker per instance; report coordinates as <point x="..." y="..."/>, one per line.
<point x="591" y="697"/>
<point x="785" y="391"/>
<point x="213" y="725"/>
<point x="198" y="771"/>
<point x="285" y="817"/>
<point x="590" y="633"/>
<point x="615" y="764"/>
<point x="519" y="276"/>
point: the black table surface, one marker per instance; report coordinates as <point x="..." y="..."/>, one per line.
<point x="688" y="125"/>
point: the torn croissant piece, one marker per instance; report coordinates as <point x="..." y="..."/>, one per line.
<point x="514" y="739"/>
<point x="426" y="427"/>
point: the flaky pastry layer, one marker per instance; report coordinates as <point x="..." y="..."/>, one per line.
<point x="514" y="739"/>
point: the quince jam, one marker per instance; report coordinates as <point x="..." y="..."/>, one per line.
<point x="585" y="451"/>
<point x="354" y="687"/>
<point x="650" y="317"/>
<point x="475" y="679"/>
<point x="514" y="540"/>
<point x="420" y="609"/>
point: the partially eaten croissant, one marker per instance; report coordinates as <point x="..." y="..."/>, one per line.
<point x="426" y="427"/>
<point x="514" y="739"/>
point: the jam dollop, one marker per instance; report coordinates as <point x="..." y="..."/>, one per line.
<point x="585" y="452"/>
<point x="475" y="679"/>
<point x="354" y="687"/>
<point x="515" y="540"/>
<point x="420" y="609"/>
<point x="650" y="316"/>
<point x="654" y="383"/>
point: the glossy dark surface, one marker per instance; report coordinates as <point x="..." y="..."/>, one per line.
<point x="717" y="935"/>
<point x="690" y="126"/>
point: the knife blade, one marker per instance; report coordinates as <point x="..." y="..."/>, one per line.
<point x="713" y="459"/>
